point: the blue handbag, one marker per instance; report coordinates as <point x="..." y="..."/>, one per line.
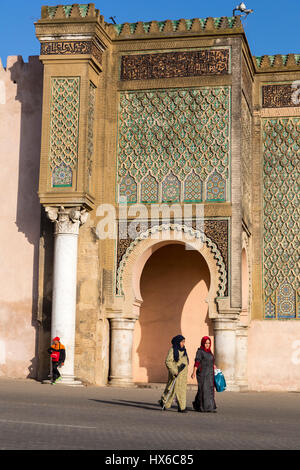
<point x="220" y="382"/>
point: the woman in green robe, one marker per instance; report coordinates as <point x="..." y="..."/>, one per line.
<point x="177" y="364"/>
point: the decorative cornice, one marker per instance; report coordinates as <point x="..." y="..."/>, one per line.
<point x="68" y="30"/>
<point x="225" y="25"/>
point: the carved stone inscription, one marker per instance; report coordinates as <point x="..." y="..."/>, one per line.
<point x="175" y="64"/>
<point x="278" y="96"/>
<point x="71" y="47"/>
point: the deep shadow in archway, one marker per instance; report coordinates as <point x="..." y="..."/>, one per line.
<point x="174" y="284"/>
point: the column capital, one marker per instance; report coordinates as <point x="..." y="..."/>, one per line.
<point x="66" y="220"/>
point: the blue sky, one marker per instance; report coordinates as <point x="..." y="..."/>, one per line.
<point x="273" y="28"/>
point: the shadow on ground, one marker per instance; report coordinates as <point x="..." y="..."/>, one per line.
<point x="134" y="404"/>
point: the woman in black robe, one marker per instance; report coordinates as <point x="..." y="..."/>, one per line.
<point x="204" y="370"/>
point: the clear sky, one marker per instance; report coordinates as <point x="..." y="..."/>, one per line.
<point x="273" y="28"/>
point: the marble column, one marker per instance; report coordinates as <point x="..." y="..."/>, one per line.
<point x="241" y="356"/>
<point x="225" y="349"/>
<point x="63" y="320"/>
<point x="121" y="342"/>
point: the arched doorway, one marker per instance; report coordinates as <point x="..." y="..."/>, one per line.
<point x="128" y="301"/>
<point x="174" y="285"/>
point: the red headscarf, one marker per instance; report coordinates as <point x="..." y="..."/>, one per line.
<point x="203" y="341"/>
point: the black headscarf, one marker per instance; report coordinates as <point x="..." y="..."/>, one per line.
<point x="176" y="347"/>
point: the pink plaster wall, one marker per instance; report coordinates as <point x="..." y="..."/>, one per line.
<point x="174" y="285"/>
<point x="20" y="131"/>
<point x="274" y="355"/>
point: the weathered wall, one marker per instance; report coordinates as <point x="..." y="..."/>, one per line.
<point x="274" y="355"/>
<point x="91" y="347"/>
<point x="246" y="162"/>
<point x="20" y="117"/>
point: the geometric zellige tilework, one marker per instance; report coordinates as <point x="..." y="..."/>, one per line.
<point x="128" y="189"/>
<point x="215" y="188"/>
<point x="64" y="125"/>
<point x="171" y="188"/>
<point x="193" y="188"/>
<point x="149" y="189"/>
<point x="281" y="156"/>
<point x="179" y="135"/>
<point x="62" y="175"/>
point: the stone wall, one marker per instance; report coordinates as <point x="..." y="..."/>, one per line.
<point x="274" y="355"/>
<point x="246" y="161"/>
<point x="90" y="349"/>
<point x="20" y="132"/>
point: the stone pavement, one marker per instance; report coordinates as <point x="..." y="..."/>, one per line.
<point x="39" y="417"/>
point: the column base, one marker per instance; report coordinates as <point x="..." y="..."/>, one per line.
<point x="243" y="385"/>
<point x="232" y="386"/>
<point x="121" y="382"/>
<point x="66" y="380"/>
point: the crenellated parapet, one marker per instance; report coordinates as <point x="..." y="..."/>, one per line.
<point x="76" y="11"/>
<point x="202" y="26"/>
<point x="72" y="30"/>
<point x="278" y="62"/>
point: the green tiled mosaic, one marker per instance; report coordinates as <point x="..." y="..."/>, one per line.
<point x="281" y="147"/>
<point x="174" y="145"/>
<point x="64" y="127"/>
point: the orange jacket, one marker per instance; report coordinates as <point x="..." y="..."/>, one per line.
<point x="60" y="349"/>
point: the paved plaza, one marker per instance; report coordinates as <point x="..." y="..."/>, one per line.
<point x="38" y="416"/>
